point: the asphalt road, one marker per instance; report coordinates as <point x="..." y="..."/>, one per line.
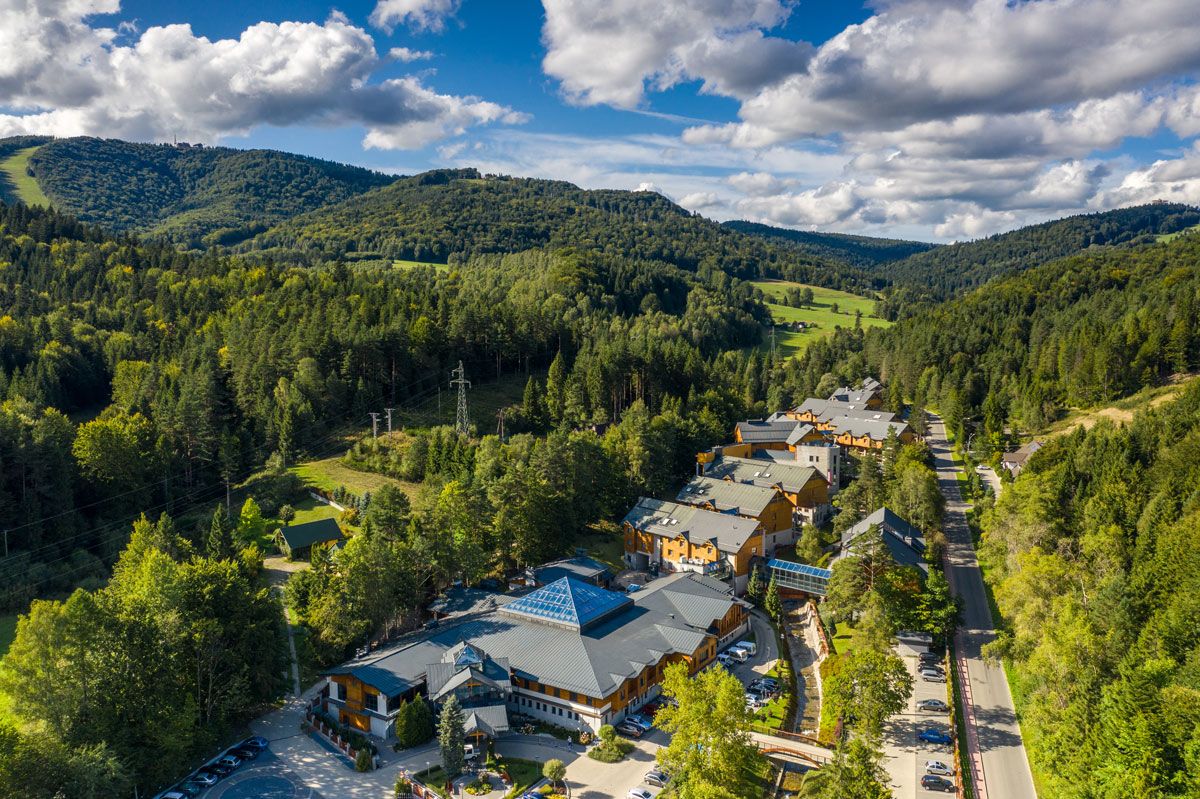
<point x="1005" y="766"/>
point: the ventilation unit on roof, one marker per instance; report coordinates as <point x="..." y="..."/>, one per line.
<point x="768" y="474"/>
<point x="757" y="474"/>
<point x="690" y="489"/>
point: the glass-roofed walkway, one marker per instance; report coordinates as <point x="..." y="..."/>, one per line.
<point x="799" y="577"/>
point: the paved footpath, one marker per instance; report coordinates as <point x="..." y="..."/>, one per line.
<point x="997" y="751"/>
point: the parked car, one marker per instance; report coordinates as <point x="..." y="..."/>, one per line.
<point x="931" y="675"/>
<point x="656" y="777"/>
<point x="257" y="742"/>
<point x="245" y="752"/>
<point x="188" y="788"/>
<point x="172" y="795"/>
<point x="725" y="659"/>
<point x="931" y="783"/>
<point x="638" y="793"/>
<point x="750" y="647"/>
<point x="934" y="705"/>
<point x="633" y="587"/>
<point x="934" y="736"/>
<point x="928" y="657"/>
<point x="220" y="769"/>
<point x="233" y="761"/>
<point x="753" y="699"/>
<point x="764" y="684"/>
<point x="738" y="654"/>
<point x="205" y="778"/>
<point x="625" y="728"/>
<point x="938" y="767"/>
<point x="644" y="723"/>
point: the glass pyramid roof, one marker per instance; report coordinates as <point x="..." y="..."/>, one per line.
<point x="569" y="602"/>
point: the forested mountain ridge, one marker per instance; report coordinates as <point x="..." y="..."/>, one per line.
<point x="450" y="215"/>
<point x="863" y="252"/>
<point x="955" y="268"/>
<point x="1094" y="556"/>
<point x="195" y="196"/>
<point x="1077" y="331"/>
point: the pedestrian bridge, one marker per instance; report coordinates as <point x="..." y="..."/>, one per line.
<point x="799" y="576"/>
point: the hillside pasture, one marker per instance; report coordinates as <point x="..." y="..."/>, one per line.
<point x="13" y="171"/>
<point x="820" y="314"/>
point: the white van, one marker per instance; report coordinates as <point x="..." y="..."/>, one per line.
<point x="724" y="659"/>
<point x="738" y="654"/>
<point x="750" y="647"/>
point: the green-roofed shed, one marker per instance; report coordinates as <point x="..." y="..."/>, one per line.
<point x="297" y="540"/>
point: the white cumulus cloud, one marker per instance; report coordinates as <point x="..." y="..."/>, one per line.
<point x="607" y="52"/>
<point x="420" y="15"/>
<point x="73" y="79"/>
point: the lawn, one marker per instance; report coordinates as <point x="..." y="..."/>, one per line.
<point x="820" y="313"/>
<point x="524" y="773"/>
<point x="8" y="631"/>
<point x="603" y="542"/>
<point x="774" y="713"/>
<point x="841" y="641"/>
<point x="26" y="187"/>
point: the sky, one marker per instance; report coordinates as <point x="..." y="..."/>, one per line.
<point x="938" y="120"/>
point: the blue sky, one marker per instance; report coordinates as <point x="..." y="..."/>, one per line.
<point x="922" y="119"/>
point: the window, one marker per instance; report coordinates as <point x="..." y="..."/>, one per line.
<point x="341" y="691"/>
<point x="393" y="703"/>
<point x="369" y="701"/>
<point x="571" y="696"/>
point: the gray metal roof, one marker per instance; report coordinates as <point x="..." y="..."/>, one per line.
<point x="870" y="388"/>
<point x="905" y="541"/>
<point x="458" y="599"/>
<point x="593" y="662"/>
<point x="671" y="519"/>
<point x="801" y="430"/>
<point x="876" y="430"/>
<point x="582" y="567"/>
<point x="491" y="720"/>
<point x="830" y="410"/>
<point x="759" y="431"/>
<point x="743" y="498"/>
<point x="792" y="477"/>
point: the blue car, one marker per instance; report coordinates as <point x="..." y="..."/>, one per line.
<point x="935" y="736"/>
<point x="257" y="742"/>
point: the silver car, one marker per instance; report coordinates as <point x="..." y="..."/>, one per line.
<point x="939" y="768"/>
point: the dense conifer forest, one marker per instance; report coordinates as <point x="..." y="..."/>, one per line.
<point x="864" y="252"/>
<point x="193" y="195"/>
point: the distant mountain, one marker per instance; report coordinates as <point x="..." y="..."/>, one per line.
<point x="957" y="268"/>
<point x="864" y="252"/>
<point x="194" y="195"/>
<point x="452" y="214"/>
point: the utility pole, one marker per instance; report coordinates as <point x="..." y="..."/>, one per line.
<point x="6" y="542"/>
<point x="389" y="413"/>
<point x="463" y="421"/>
<point x="772" y="341"/>
<point x="500" y="427"/>
<point x="228" y="502"/>
<point x="374" y="424"/>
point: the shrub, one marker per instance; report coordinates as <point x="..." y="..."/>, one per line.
<point x="478" y="788"/>
<point x="611" y="752"/>
<point x="363" y="762"/>
<point x="350" y="516"/>
<point x="607" y="733"/>
<point x="286" y="514"/>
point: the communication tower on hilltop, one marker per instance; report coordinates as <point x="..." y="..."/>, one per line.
<point x="463" y="422"/>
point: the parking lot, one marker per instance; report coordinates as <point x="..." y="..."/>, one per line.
<point x="905" y="754"/>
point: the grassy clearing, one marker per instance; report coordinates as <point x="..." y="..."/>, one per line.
<point x="25" y="186"/>
<point x="329" y="473"/>
<point x="1121" y="411"/>
<point x="1164" y="238"/>
<point x="820" y="313"/>
<point x="401" y="264"/>
<point x="8" y="631"/>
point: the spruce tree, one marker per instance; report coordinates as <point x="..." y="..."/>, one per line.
<point x="774" y="606"/>
<point x="450" y="737"/>
<point x="754" y="589"/>
<point x="220" y="536"/>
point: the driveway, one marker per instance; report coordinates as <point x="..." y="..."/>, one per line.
<point x="588" y="778"/>
<point x="990" y="478"/>
<point x="904" y="755"/>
